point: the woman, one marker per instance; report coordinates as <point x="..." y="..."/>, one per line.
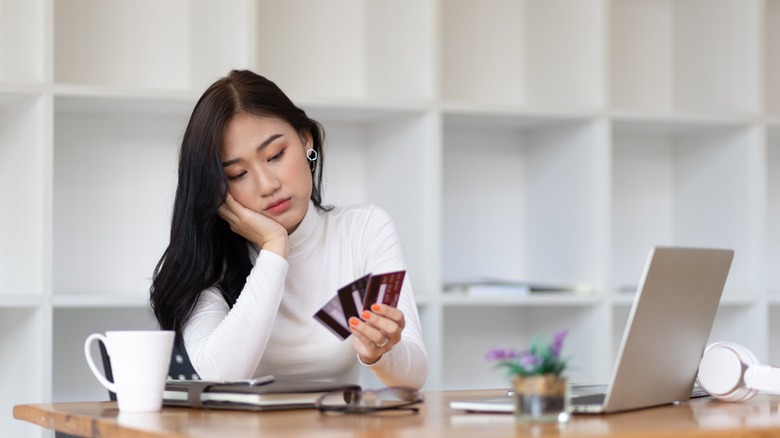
<point x="253" y="253"/>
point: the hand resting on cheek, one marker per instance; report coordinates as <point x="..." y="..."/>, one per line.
<point x="256" y="227"/>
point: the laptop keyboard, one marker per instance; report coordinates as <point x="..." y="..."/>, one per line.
<point x="589" y="399"/>
<point x="598" y="398"/>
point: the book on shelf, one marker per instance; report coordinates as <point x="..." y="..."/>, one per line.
<point x="271" y="394"/>
<point x="500" y="286"/>
<point x="627" y="288"/>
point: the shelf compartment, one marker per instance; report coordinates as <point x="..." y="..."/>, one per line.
<point x="23" y="191"/>
<point x="23" y="34"/>
<point x="73" y="380"/>
<point x="532" y="53"/>
<point x="696" y="55"/>
<point x="685" y="186"/>
<point x="183" y="45"/>
<point x="25" y="365"/>
<point x="114" y="183"/>
<point x="471" y="332"/>
<point x="520" y="199"/>
<point x="347" y="48"/>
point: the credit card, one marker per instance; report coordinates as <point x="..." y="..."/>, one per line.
<point x="384" y="289"/>
<point x="331" y="315"/>
<point x="351" y="297"/>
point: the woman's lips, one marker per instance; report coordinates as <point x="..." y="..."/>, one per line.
<point x="278" y="206"/>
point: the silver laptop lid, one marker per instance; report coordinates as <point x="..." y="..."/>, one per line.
<point x="668" y="327"/>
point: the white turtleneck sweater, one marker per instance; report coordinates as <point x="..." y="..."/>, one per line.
<point x="271" y="328"/>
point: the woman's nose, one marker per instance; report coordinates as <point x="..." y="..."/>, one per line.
<point x="267" y="182"/>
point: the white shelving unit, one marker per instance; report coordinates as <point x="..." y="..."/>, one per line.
<point x="545" y="140"/>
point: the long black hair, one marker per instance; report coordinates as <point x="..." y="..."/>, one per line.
<point x="203" y="250"/>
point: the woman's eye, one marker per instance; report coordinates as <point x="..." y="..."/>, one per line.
<point x="277" y="156"/>
<point x="236" y="177"/>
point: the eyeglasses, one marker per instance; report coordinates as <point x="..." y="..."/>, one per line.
<point x="357" y="401"/>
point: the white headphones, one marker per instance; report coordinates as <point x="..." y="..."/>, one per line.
<point x="730" y="372"/>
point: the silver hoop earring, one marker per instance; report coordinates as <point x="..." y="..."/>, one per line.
<point x="312" y="155"/>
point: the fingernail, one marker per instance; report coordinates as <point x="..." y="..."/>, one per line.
<point x="375" y="307"/>
<point x="353" y="321"/>
<point x="365" y="315"/>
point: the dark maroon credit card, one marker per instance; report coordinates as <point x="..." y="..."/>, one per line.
<point x="384" y="289"/>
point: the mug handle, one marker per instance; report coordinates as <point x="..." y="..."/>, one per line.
<point x="98" y="374"/>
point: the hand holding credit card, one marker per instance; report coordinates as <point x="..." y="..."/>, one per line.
<point x="357" y="296"/>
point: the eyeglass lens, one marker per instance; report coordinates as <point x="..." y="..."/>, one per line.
<point x="356" y="399"/>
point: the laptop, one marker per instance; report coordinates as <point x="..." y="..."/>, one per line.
<point x="667" y="331"/>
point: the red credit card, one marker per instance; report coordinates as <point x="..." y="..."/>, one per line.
<point x="384" y="289"/>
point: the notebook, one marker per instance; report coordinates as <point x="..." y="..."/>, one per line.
<point x="268" y="394"/>
<point x="666" y="333"/>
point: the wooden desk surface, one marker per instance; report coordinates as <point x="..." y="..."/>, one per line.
<point x="759" y="417"/>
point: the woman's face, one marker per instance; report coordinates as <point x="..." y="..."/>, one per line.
<point x="264" y="159"/>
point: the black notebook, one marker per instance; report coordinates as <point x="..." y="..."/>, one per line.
<point x="275" y="395"/>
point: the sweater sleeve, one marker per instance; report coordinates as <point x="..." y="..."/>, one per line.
<point x="407" y="363"/>
<point x="227" y="344"/>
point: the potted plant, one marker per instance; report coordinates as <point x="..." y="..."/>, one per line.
<point x="540" y="388"/>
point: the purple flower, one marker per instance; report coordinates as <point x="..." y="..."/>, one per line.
<point x="501" y="354"/>
<point x="529" y="361"/>
<point x="557" y="345"/>
<point x="539" y="358"/>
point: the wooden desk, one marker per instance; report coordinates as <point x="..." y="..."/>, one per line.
<point x="699" y="418"/>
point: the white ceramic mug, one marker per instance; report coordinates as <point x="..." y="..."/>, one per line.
<point x="139" y="364"/>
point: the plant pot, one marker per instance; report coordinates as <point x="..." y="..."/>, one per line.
<point x="540" y="399"/>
